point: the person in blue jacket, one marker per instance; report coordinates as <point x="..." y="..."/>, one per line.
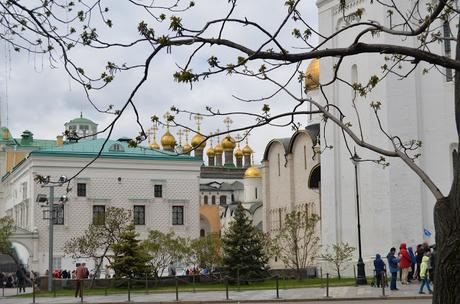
<point x="393" y="265"/>
<point x="413" y="262"/>
<point x="380" y="266"/>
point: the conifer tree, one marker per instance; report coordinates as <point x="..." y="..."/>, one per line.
<point x="243" y="248"/>
<point x="130" y="258"/>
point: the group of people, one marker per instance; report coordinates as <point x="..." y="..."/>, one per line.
<point x="418" y="265"/>
<point x="197" y="271"/>
<point x="18" y="279"/>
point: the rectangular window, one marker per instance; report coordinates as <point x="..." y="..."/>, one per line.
<point x="57" y="262"/>
<point x="24" y="191"/>
<point x="139" y="215"/>
<point x="158" y="190"/>
<point x="58" y="215"/>
<point x="81" y="189"/>
<point x="447" y="48"/>
<point x="178" y="215"/>
<point x="98" y="215"/>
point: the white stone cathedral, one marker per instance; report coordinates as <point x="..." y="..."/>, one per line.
<point x="395" y="206"/>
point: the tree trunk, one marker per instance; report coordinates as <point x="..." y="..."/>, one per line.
<point x="447" y="256"/>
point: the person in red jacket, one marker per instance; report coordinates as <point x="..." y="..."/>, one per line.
<point x="404" y="263"/>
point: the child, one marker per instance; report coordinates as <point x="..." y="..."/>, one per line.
<point x="424" y="274"/>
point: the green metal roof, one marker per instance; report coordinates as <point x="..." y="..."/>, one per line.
<point x="82" y="120"/>
<point x="112" y="149"/>
<point x="37" y="143"/>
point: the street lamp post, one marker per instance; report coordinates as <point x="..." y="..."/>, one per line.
<point x="361" y="277"/>
<point x="50" y="200"/>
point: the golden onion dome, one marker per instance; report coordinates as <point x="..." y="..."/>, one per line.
<point x="198" y="140"/>
<point x="154" y="145"/>
<point x="211" y="152"/>
<point x="312" y="75"/>
<point x="238" y="153"/>
<point x="228" y="143"/>
<point x="168" y="140"/>
<point x="247" y="150"/>
<point x="218" y="149"/>
<point x="187" y="148"/>
<point x="252" y="172"/>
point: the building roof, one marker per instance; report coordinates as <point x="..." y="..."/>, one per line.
<point x="288" y="143"/>
<point x="112" y="149"/>
<point x="216" y="186"/>
<point x="81" y="120"/>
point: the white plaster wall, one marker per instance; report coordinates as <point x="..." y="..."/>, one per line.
<point x="395" y="205"/>
<point x="180" y="187"/>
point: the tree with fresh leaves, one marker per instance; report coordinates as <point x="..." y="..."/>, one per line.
<point x="206" y="251"/>
<point x="164" y="249"/>
<point x="244" y="254"/>
<point x="98" y="240"/>
<point x="412" y="32"/>
<point x="338" y="255"/>
<point x="297" y="240"/>
<point x="6" y="229"/>
<point x="130" y="259"/>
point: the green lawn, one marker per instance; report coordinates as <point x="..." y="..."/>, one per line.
<point x="266" y="284"/>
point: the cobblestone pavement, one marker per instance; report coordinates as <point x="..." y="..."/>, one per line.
<point x="409" y="292"/>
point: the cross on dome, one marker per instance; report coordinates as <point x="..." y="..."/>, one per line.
<point x="180" y="133"/>
<point x="198" y="118"/>
<point x="228" y="122"/>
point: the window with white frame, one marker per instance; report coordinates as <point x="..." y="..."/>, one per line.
<point x="178" y="215"/>
<point x="139" y="215"/>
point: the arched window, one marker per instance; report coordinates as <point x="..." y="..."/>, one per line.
<point x="256" y="193"/>
<point x="213" y="199"/>
<point x="205" y="199"/>
<point x="202" y="233"/>
<point x="315" y="178"/>
<point x="223" y="200"/>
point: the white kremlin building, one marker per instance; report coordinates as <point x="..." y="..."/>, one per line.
<point x="395" y="206"/>
<point x="157" y="186"/>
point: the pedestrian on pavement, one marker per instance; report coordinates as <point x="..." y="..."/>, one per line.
<point x="419" y="256"/>
<point x="393" y="265"/>
<point x="424" y="274"/>
<point x="80" y="274"/>
<point x="404" y="262"/>
<point x="21" y="277"/>
<point x="413" y="262"/>
<point x="380" y="269"/>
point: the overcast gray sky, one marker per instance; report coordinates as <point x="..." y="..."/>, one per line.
<point x="41" y="99"/>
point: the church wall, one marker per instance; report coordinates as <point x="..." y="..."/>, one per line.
<point x="395" y="206"/>
<point x="279" y="179"/>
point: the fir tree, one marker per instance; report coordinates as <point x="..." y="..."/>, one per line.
<point x="130" y="258"/>
<point x="243" y="248"/>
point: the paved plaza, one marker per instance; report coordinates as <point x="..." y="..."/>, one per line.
<point x="407" y="294"/>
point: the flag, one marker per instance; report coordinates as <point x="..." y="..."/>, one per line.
<point x="426" y="232"/>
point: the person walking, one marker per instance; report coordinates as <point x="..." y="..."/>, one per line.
<point x="80" y="274"/>
<point x="393" y="265"/>
<point x="21" y="277"/>
<point x="424" y="275"/>
<point x="379" y="265"/>
<point x="404" y="262"/>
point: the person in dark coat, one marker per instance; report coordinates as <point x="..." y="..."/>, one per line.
<point x="21" y="276"/>
<point x="413" y="261"/>
<point x="419" y="253"/>
<point x="393" y="266"/>
<point x="380" y="269"/>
